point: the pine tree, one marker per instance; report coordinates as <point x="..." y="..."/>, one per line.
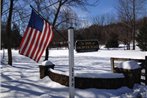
<point x="112" y="42"/>
<point x="142" y="37"/>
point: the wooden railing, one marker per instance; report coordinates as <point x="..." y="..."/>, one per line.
<point x="143" y="63"/>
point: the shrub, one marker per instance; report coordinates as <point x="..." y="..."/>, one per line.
<point x="112" y="41"/>
<point x="142" y="37"/>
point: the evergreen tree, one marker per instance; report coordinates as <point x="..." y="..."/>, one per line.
<point x="16" y="37"/>
<point x="112" y="42"/>
<point x="142" y="37"/>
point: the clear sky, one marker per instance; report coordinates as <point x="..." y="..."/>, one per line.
<point x="103" y="7"/>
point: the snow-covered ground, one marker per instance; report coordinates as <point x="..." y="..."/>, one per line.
<point x="22" y="79"/>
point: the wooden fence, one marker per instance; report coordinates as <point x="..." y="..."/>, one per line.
<point x="143" y="66"/>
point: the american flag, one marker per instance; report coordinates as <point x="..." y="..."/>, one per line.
<point x="36" y="38"/>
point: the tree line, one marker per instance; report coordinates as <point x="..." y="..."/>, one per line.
<point x="115" y="32"/>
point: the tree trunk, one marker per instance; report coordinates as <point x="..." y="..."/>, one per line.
<point x="134" y="24"/>
<point x="1" y="7"/>
<point x="54" y="22"/>
<point x="8" y="31"/>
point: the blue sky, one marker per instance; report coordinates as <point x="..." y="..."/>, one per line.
<point x="104" y="7"/>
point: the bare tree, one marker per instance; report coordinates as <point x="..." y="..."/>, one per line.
<point x="8" y="31"/>
<point x="1" y="6"/>
<point x="63" y="3"/>
<point x="104" y="21"/>
<point x="67" y="18"/>
<point x="128" y="12"/>
<point x="1" y="17"/>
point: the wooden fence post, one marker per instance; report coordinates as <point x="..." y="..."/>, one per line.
<point x="112" y="64"/>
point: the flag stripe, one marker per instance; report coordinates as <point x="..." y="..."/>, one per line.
<point x="23" y="40"/>
<point x="50" y="36"/>
<point x="41" y="40"/>
<point x="34" y="44"/>
<point x="38" y="46"/>
<point x="36" y="37"/>
<point x="26" y="41"/>
<point x="35" y="49"/>
<point x="46" y="35"/>
<point x="29" y="46"/>
<point x="44" y="42"/>
<point x="25" y="34"/>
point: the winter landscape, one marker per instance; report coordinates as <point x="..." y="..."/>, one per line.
<point x="22" y="80"/>
<point x="98" y="32"/>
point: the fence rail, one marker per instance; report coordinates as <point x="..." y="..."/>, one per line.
<point x="143" y="66"/>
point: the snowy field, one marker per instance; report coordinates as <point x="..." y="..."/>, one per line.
<point x="22" y="79"/>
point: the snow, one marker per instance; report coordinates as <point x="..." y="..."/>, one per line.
<point x="47" y="62"/>
<point x="130" y="65"/>
<point x="22" y="80"/>
<point x="91" y="74"/>
<point x="100" y="75"/>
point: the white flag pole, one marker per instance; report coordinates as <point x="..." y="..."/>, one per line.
<point x="71" y="61"/>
